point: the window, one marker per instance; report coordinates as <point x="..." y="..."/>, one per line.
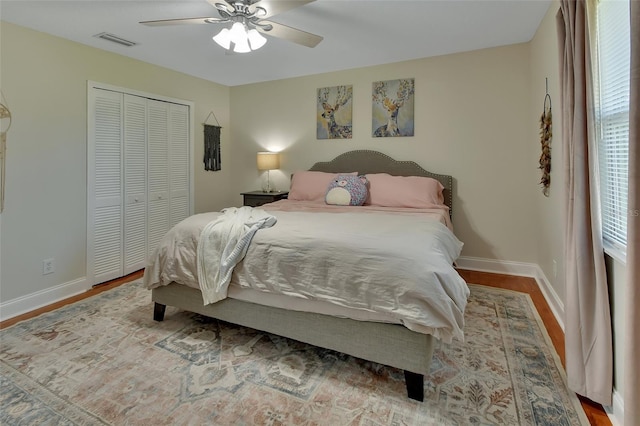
<point x="611" y="76"/>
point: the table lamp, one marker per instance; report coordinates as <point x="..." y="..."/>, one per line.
<point x="268" y="161"/>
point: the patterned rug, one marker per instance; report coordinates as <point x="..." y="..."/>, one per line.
<point x="105" y="361"/>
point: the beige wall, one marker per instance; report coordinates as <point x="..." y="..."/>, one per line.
<point x="44" y="79"/>
<point x="3" y="128"/>
<point x="473" y="121"/>
<point x="544" y="65"/>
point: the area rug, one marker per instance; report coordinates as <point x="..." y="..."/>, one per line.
<point x="105" y="361"/>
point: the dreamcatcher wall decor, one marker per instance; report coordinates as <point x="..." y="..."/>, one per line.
<point x="545" y="142"/>
<point x="4" y="114"/>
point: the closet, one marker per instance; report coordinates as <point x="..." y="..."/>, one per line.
<point x="139" y="178"/>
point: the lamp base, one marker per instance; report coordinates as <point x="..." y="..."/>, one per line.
<point x="267" y="186"/>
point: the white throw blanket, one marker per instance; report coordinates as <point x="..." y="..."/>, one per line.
<point x="222" y="244"/>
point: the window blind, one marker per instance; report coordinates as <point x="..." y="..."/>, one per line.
<point x="612" y="117"/>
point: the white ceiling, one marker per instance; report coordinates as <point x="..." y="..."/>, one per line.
<point x="356" y="32"/>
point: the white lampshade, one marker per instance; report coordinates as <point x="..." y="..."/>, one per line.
<point x="223" y="38"/>
<point x="256" y="39"/>
<point x="242" y="46"/>
<point x="238" y="32"/>
<point x="268" y="161"/>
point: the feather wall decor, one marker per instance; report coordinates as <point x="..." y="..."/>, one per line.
<point x="545" y="142"/>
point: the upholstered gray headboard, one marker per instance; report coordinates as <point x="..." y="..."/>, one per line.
<point x="367" y="161"/>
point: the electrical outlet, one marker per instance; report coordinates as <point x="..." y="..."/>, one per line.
<point x="555" y="269"/>
<point x="48" y="266"/>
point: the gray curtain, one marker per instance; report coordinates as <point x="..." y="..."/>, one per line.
<point x="632" y="308"/>
<point x="588" y="346"/>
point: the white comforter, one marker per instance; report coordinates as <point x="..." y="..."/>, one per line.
<point x="397" y="264"/>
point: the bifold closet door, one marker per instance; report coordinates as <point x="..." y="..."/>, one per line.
<point x="167" y="168"/>
<point x="157" y="172"/>
<point x="138" y="187"/>
<point x="179" y="163"/>
<point x="135" y="183"/>
<point x="105" y="217"/>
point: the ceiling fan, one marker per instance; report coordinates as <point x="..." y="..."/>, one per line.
<point x="249" y="20"/>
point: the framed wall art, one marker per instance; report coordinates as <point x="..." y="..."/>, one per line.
<point x="334" y="112"/>
<point x="392" y="108"/>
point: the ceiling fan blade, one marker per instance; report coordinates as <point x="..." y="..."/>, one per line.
<point x="274" y="7"/>
<point x="205" y="20"/>
<point x="291" y="34"/>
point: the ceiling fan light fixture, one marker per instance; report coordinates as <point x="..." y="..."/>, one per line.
<point x="242" y="46"/>
<point x="223" y="38"/>
<point x="244" y="39"/>
<point x="256" y="40"/>
<point x="247" y="21"/>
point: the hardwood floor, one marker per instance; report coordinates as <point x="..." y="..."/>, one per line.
<point x="595" y="412"/>
<point x="95" y="290"/>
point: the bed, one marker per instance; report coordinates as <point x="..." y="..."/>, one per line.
<point x="390" y="329"/>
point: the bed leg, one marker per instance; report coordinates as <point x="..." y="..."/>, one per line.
<point x="415" y="385"/>
<point x="158" y="311"/>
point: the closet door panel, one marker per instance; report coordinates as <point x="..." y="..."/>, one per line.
<point x="135" y="183"/>
<point x="157" y="172"/>
<point x="179" y="162"/>
<point x="105" y="196"/>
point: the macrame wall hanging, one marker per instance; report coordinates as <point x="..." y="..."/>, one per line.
<point x="545" y="142"/>
<point x="212" y="159"/>
<point x="4" y="114"/>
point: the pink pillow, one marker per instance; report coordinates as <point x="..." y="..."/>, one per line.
<point x="404" y="191"/>
<point x="311" y="186"/>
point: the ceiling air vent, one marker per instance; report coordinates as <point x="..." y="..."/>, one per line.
<point x="115" y="39"/>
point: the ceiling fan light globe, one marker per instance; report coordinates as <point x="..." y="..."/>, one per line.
<point x="256" y="40"/>
<point x="242" y="46"/>
<point x="223" y="38"/>
<point x="238" y="33"/>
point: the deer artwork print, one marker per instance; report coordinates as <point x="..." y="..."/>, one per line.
<point x="389" y="98"/>
<point x="334" y="112"/>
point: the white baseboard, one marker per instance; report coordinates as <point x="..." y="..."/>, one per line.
<point x="616" y="411"/>
<point x="521" y="269"/>
<point x="33" y="301"/>
<point x="552" y="298"/>
<point x="497" y="266"/>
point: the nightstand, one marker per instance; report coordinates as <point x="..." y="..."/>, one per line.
<point x="258" y="198"/>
